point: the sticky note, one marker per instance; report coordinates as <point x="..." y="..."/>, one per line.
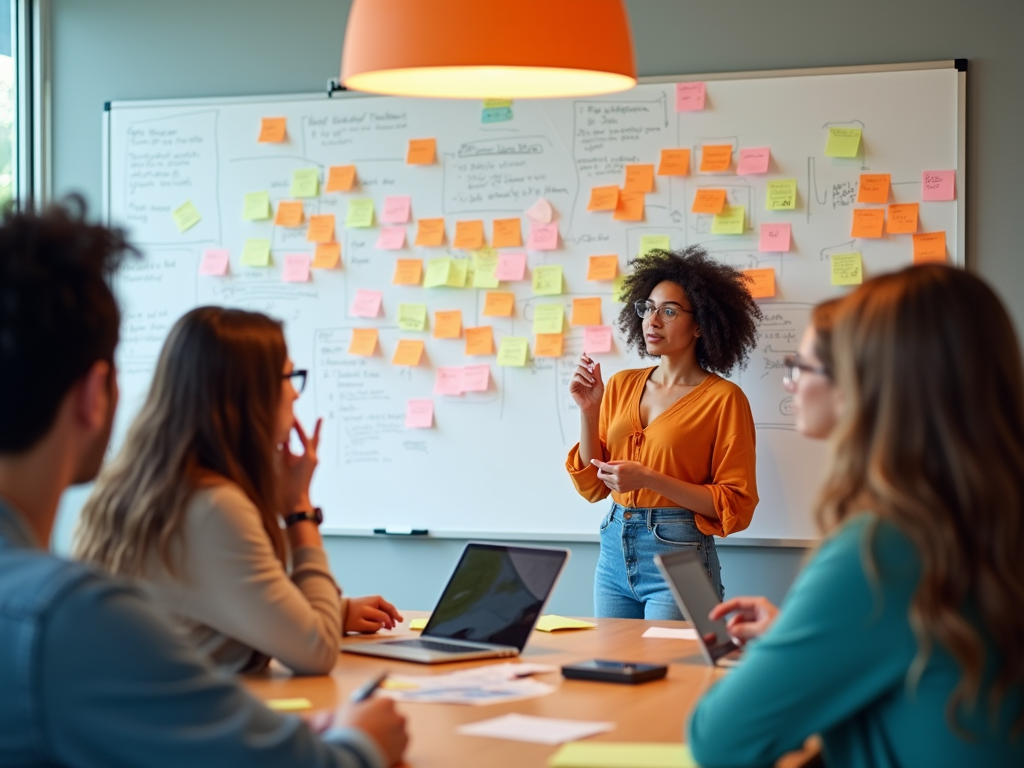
<point x="753" y="160"/>
<point x="690" y="97"/>
<point x="586" y="311"/>
<point x="448" y="324"/>
<point x="650" y="243"/>
<point x="186" y="216"/>
<point x="674" y="162"/>
<point x="408" y="352"/>
<point x="419" y="414"/>
<point x="412" y="317"/>
<point x="497" y="103"/>
<point x="480" y="340"/>
<point x="775" y="237"/>
<point x="476" y="378"/>
<point x="868" y="222"/>
<point x="708" y="201"/>
<point x="273" y="130"/>
<point x="552" y="623"/>
<point x="256" y="253"/>
<point x="938" y="185"/>
<point x="499" y="304"/>
<point x="549" y="345"/>
<point x="630" y="207"/>
<point x="548" y="318"/>
<point x="257" y="206"/>
<point x="421" y="152"/>
<point x="843" y="142"/>
<point x="296" y="268"/>
<point x="506" y="233"/>
<point x="780" y="195"/>
<point x="542" y="237"/>
<point x="360" y="213"/>
<point x="495" y="115"/>
<point x="929" y="246"/>
<point x="430" y="233"/>
<point x="391" y="239"/>
<point x="485" y="268"/>
<point x="513" y="351"/>
<point x="619" y="290"/>
<point x="541" y="212"/>
<point x="611" y="754"/>
<point x="289" y="213"/>
<point x="602" y="267"/>
<point x="408" y="272"/>
<point x="448" y="381"/>
<point x="367" y="303"/>
<point x="458" y="273"/>
<point x="396" y="210"/>
<point x="761" y="282"/>
<point x="597" y="339"/>
<point x="873" y="188"/>
<point x="364" y="342"/>
<point x="327" y="256"/>
<point x="547" y="280"/>
<point x="715" y="158"/>
<point x="305" y="182"/>
<point x="469" y="235"/>
<point x="289" y="705"/>
<point x="731" y="221"/>
<point x="438" y="272"/>
<point x="340" y="178"/>
<point x="215" y="262"/>
<point x="902" y="218"/>
<point x="847" y="269"/>
<point x="419" y="623"/>
<point x="511" y="267"/>
<point x="603" y="198"/>
<point x="321" y="228"/>
<point x="639" y="178"/>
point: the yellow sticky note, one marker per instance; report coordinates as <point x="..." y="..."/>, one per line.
<point x="448" y="324"/>
<point x="305" y="182"/>
<point x="497" y="103"/>
<point x="902" y="218"/>
<point x="186" y="216"/>
<point x="421" y="152"/>
<point x="708" y="201"/>
<point x="548" y="318"/>
<point x="412" y="317"/>
<point x="602" y="267"/>
<point x="289" y="705"/>
<point x="469" y="235"/>
<point x="929" y="246"/>
<point x="458" y="273"/>
<point x="340" y="178"/>
<point x="430" y="233"/>
<point x="650" y="243"/>
<point x="485" y="268"/>
<point x="674" y="162"/>
<point x="619" y="290"/>
<point x="761" y="283"/>
<point x="547" y="280"/>
<point x="715" y="158"/>
<point x="552" y="623"/>
<point x="639" y="178"/>
<point x="408" y="352"/>
<point x="513" y="351"/>
<point x="499" y="304"/>
<point x="360" y="213"/>
<point x="549" y="345"/>
<point x="419" y="624"/>
<point x="630" y="207"/>
<point x="843" y="142"/>
<point x="507" y="233"/>
<point x="615" y="754"/>
<point x="321" y="228"/>
<point x="873" y="188"/>
<point x="868" y="222"/>
<point x="780" y="195"/>
<point x="256" y="253"/>
<point x="731" y="221"/>
<point x="409" y="272"/>
<point x="273" y="130"/>
<point x="289" y="213"/>
<point x="847" y="269"/>
<point x="603" y="198"/>
<point x="327" y="256"/>
<point x="364" y="342"/>
<point x="586" y="311"/>
<point x="438" y="272"/>
<point x="480" y="340"/>
<point x="257" y="206"/>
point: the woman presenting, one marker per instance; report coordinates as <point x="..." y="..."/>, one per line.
<point x="673" y="444"/>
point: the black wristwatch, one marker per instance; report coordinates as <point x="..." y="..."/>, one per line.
<point x="314" y="515"/>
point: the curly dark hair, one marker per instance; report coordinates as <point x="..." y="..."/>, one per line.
<point x="723" y="308"/>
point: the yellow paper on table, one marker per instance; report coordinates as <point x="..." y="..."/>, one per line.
<point x="360" y="213"/>
<point x="603" y="198"/>
<point x="421" y="152"/>
<point x="340" y="178"/>
<point x="551" y="623"/>
<point x="547" y="280"/>
<point x="458" y="274"/>
<point x="762" y="282"/>
<point x="507" y="233"/>
<point x="586" y="311"/>
<point x="499" y="304"/>
<point x="257" y="206"/>
<point x="364" y="342"/>
<point x="412" y="317"/>
<point x="485" y="267"/>
<point x="902" y="219"/>
<point x="448" y="324"/>
<point x="256" y="253"/>
<point x="289" y="213"/>
<point x="602" y="267"/>
<point x="617" y="754"/>
<point x="843" y="142"/>
<point x="408" y="352"/>
<point x="430" y="233"/>
<point x="410" y="272"/>
<point x="480" y="340"/>
<point x="186" y="216"/>
<point x="549" y="345"/>
<point x="289" y="705"/>
<point x="730" y="221"/>
<point x="326" y="256"/>
<point x="650" y="243"/>
<point x="548" y="318"/>
<point x="305" y="182"/>
<point x="674" y="162"/>
<point x="847" y="269"/>
<point x="273" y="130"/>
<point x="469" y="235"/>
<point x="419" y="623"/>
<point x="321" y="228"/>
<point x="630" y="207"/>
<point x="618" y="290"/>
<point x="639" y="178"/>
<point x="780" y="195"/>
<point x="513" y="351"/>
<point x="708" y="201"/>
<point x="715" y="158"/>
<point x="438" y="272"/>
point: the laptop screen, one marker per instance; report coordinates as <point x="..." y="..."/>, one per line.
<point x="696" y="597"/>
<point x="496" y="594"/>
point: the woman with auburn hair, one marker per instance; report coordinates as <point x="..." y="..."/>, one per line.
<point x="193" y="505"/>
<point x="900" y="642"/>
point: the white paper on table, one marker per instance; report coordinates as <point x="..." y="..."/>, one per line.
<point x="493" y="684"/>
<point x="543" y="730"/>
<point x="668" y="633"/>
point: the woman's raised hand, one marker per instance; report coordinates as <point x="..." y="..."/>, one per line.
<point x="298" y="468"/>
<point x="586" y="387"/>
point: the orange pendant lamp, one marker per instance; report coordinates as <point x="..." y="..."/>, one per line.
<point x="475" y="49"/>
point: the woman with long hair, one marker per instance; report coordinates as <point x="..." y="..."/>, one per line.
<point x="900" y="642"/>
<point x="208" y="509"/>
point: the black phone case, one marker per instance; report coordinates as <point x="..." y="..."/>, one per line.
<point x="629" y="674"/>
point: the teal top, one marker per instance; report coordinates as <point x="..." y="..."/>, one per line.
<point x="835" y="663"/>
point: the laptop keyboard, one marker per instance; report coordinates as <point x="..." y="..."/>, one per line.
<point x="433" y="645"/>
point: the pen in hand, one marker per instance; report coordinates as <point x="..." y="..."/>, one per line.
<point x="365" y="691"/>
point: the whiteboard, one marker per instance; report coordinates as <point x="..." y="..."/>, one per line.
<point x="492" y="464"/>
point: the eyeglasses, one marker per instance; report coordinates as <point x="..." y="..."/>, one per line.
<point x="795" y="367"/>
<point x="667" y="312"/>
<point x="298" y="378"/>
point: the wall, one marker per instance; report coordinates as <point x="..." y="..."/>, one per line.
<point x="107" y="50"/>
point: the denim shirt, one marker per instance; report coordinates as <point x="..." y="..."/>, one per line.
<point x="91" y="676"/>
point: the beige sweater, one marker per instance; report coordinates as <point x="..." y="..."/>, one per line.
<point x="234" y="600"/>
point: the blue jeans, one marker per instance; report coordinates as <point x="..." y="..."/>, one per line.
<point x="628" y="585"/>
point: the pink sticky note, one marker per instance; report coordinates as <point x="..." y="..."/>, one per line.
<point x="775" y="237"/>
<point x="938" y="185"/>
<point x="396" y="210"/>
<point x="367" y="303"/>
<point x="690" y="97"/>
<point x="543" y="237"/>
<point x="597" y="339"/>
<point x="476" y="378"/>
<point x="215" y="262"/>
<point x="541" y="212"/>
<point x="753" y="160"/>
<point x="296" y="268"/>
<point x="448" y="381"/>
<point x="419" y="414"/>
<point x="511" y="266"/>
<point x="391" y="239"/>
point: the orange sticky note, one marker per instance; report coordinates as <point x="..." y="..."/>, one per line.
<point x="273" y="130"/>
<point x="364" y="342"/>
<point x="327" y="256"/>
<point x="421" y="152"/>
<point x="902" y="218"/>
<point x="448" y="324"/>
<point x="674" y="162"/>
<point x="586" y="311"/>
<point x="715" y="158"/>
<point x="340" y="178"/>
<point x="549" y="345"/>
<point x="430" y="233"/>
<point x="639" y="178"/>
<point x="507" y="233"/>
<point x="873" y="188"/>
<point x="708" y="201"/>
<point x="868" y="222"/>
<point x="929" y="246"/>
<point x="602" y="267"/>
<point x="499" y="304"/>
<point x="762" y="282"/>
<point x="630" y="207"/>
<point x="289" y="213"/>
<point x="469" y="235"/>
<point x="603" y="198"/>
<point x="408" y="272"/>
<point x="480" y="341"/>
<point x="321" y="228"/>
<point x="408" y="352"/>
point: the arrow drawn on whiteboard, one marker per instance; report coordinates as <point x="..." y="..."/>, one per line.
<point x="664" y="106"/>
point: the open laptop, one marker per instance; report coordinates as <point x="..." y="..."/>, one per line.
<point x="684" y="572"/>
<point x="488" y="608"/>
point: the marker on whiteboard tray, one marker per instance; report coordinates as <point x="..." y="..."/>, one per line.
<point x="393" y="531"/>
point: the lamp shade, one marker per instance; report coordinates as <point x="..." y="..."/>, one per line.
<point x="474" y="49"/>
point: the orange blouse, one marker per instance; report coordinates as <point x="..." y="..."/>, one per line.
<point x="706" y="437"/>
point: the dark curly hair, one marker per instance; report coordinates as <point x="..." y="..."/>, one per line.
<point x="723" y="308"/>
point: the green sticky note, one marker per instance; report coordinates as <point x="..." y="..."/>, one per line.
<point x="847" y="269"/>
<point x="843" y="142"/>
<point x="730" y="221"/>
<point x="306" y="182"/>
<point x="257" y="206"/>
<point x="780" y="195"/>
<point x="360" y="213"/>
<point x="617" y="754"/>
<point x="650" y="243"/>
<point x="547" y="280"/>
<point x="485" y="268"/>
<point x="438" y="272"/>
<point x="412" y="317"/>
<point x="185" y="216"/>
<point x="458" y="274"/>
<point x="618" y="294"/>
<point x="548" y="318"/>
<point x="256" y="253"/>
<point x="513" y="351"/>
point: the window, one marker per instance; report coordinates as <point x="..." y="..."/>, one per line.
<point x="8" y="99"/>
